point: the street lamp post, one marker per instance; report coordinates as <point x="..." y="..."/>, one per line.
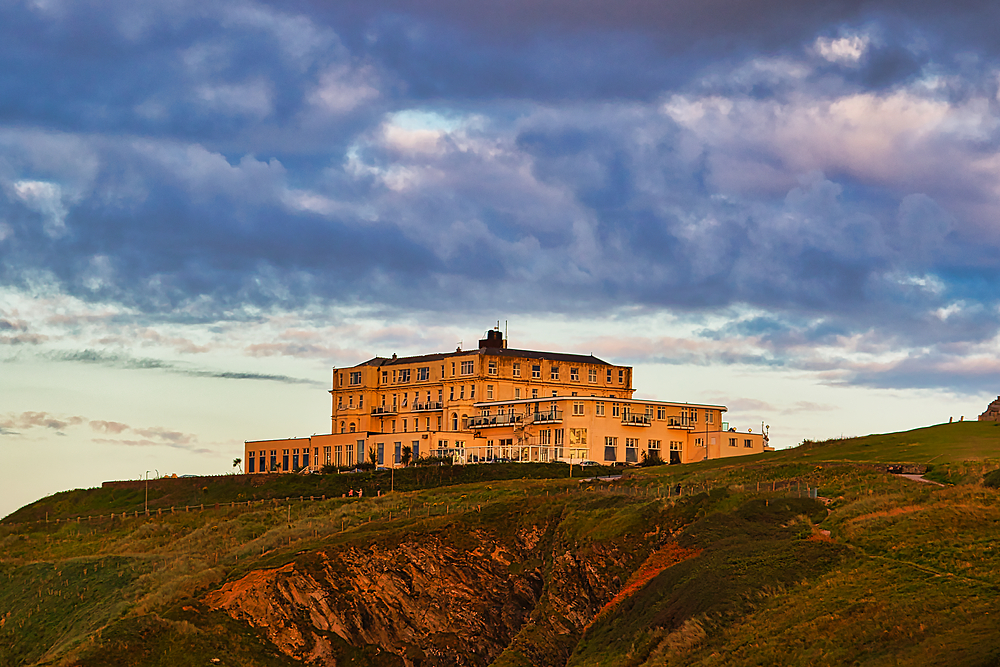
<point x="146" y="503"/>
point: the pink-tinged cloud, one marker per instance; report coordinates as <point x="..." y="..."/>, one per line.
<point x="109" y="427"/>
<point x="29" y="420"/>
<point x="184" y="345"/>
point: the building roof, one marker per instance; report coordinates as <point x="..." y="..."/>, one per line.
<point x="502" y="352"/>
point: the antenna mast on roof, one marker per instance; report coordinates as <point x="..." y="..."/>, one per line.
<point x="505" y="335"/>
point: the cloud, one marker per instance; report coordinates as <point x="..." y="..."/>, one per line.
<point x="151" y="436"/>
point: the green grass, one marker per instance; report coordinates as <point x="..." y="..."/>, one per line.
<point x="909" y="574"/>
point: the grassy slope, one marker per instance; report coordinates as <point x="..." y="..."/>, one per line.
<point x="910" y="577"/>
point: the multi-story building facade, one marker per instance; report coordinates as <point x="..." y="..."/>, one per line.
<point x="498" y="403"/>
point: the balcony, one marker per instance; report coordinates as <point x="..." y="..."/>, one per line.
<point x="552" y="416"/>
<point x="424" y="407"/>
<point x="488" y="421"/>
<point x="635" y="420"/>
<point x="383" y="411"/>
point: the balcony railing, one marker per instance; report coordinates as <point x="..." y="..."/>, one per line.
<point x="487" y="421"/>
<point x="419" y="407"/>
<point x="383" y="411"/>
<point x="547" y="417"/>
<point x="635" y="420"/>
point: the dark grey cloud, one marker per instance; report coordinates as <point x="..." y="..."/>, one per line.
<point x="831" y="166"/>
<point x="129" y="362"/>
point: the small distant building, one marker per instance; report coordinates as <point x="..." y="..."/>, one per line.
<point x="992" y="413"/>
<point x="496" y="403"/>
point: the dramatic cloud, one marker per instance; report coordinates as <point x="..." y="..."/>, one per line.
<point x="180" y="167"/>
<point x="18" y="424"/>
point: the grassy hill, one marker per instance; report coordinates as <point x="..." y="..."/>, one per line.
<point x="723" y="562"/>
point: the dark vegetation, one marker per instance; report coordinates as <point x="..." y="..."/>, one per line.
<point x="743" y="568"/>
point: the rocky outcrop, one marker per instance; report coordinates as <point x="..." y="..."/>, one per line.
<point x="428" y="602"/>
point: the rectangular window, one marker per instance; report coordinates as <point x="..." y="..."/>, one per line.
<point x="616" y="410"/>
<point x="326" y="455"/>
<point x="250" y="463"/>
<point x="560" y="436"/>
<point x="631" y="450"/>
<point x="621" y="376"/>
<point x="534" y="393"/>
<point x="385" y="376"/>
<point x="577" y="408"/>
<point x="406" y="397"/>
<point x="461" y="392"/>
<point x="684" y="417"/>
<point x="609" y="376"/>
<point x="468" y="367"/>
<point x="451" y="393"/>
<point x="355" y="377"/>
<point x="694" y="416"/>
<point x="610" y="448"/>
<point x="397" y="455"/>
<point x="545" y="437"/>
<point x="661" y="412"/>
<point x="350" y="402"/>
<point x="517" y="392"/>
<point x="472" y="391"/>
<point x="554" y="373"/>
<point x="536" y="371"/>
<point x="415" y="446"/>
<point x="489" y="392"/>
<point x="709" y="416"/>
<point x="404" y="426"/>
<point x="654" y="445"/>
<point x="675" y="445"/>
<point x="284" y="460"/>
<point x="748" y="443"/>
<point x="380" y="454"/>
<point x="404" y="375"/>
<point x="592" y="375"/>
<point x="577" y="436"/>
<point x="574" y="374"/>
<point x="732" y="442"/>
<point x="361" y="453"/>
<point x="599" y="408"/>
<point x="492" y="368"/>
<point x="517" y="370"/>
<point x="340" y="402"/>
<point x="424" y="374"/>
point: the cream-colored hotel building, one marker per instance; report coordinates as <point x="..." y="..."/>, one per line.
<point x="496" y="403"/>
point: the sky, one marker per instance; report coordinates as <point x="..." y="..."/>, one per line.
<point x="790" y="208"/>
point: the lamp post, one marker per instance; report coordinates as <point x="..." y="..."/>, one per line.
<point x="146" y="503"/>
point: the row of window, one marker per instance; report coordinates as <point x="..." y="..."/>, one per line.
<point x="259" y="461"/>
<point x="747" y="442"/>
<point x="423" y="373"/>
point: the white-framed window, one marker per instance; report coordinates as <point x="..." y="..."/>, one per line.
<point x="340" y="402"/>
<point x="748" y="443"/>
<point x="468" y="367"/>
<point x="694" y="415"/>
<point x="355" y="377"/>
<point x="406" y="397"/>
<point x="472" y="391"/>
<point x="560" y="436"/>
<point x="404" y="375"/>
<point x="609" y="376"/>
<point x="578" y="436"/>
<point x="534" y="393"/>
<point x="424" y="374"/>
<point x="489" y="392"/>
<point x="621" y="376"/>
<point x="385" y="376"/>
<point x="599" y="408"/>
<point x="350" y="402"/>
<point x="591" y="375"/>
<point x="574" y="374"/>
<point x="536" y="371"/>
<point x="545" y="437"/>
<point x="492" y="368"/>
<point x="516" y="369"/>
<point x="661" y="412"/>
<point x="451" y="393"/>
<point x="461" y="392"/>
<point x="577" y="408"/>
<point x="554" y="373"/>
<point x="675" y="445"/>
<point x="616" y="410"/>
<point x="517" y="392"/>
<point x="732" y="442"/>
<point x="610" y="448"/>
<point x="653" y="445"/>
<point x="709" y="416"/>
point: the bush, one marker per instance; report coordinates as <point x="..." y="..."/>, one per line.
<point x="992" y="479"/>
<point x="651" y="458"/>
